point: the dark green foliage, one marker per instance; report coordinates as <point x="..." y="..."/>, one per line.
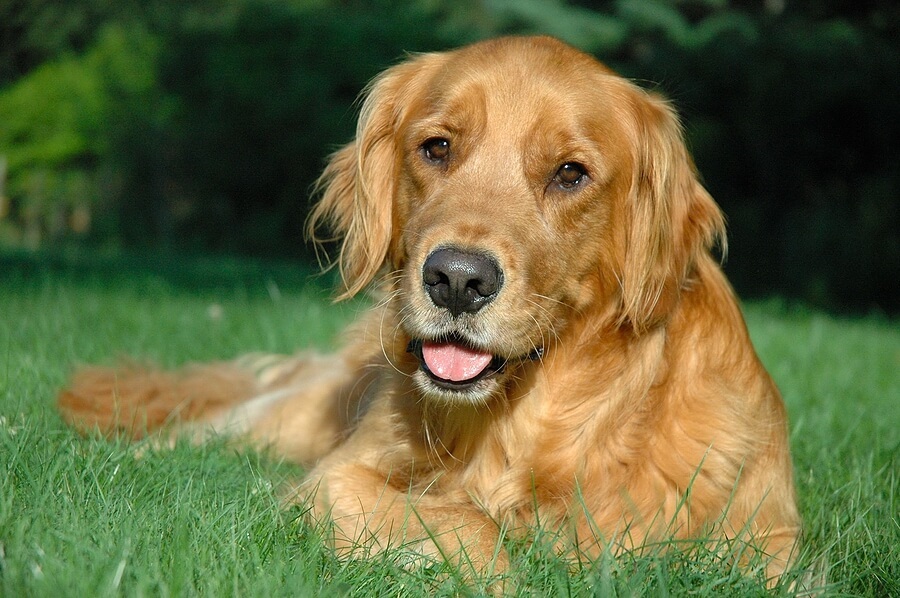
<point x="203" y="124"/>
<point x="262" y="99"/>
<point x="794" y="126"/>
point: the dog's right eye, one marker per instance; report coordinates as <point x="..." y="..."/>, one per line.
<point x="436" y="149"/>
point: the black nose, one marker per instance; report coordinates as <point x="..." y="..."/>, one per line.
<point x="461" y="281"/>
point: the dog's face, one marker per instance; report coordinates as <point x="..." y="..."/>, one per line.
<point x="514" y="185"/>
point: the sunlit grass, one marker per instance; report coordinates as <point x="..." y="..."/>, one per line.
<point x="92" y="518"/>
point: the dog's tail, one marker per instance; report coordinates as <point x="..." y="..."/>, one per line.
<point x="298" y="405"/>
<point x="135" y="400"/>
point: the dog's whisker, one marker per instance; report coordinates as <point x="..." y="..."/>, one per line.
<point x="382" y="345"/>
<point x="548" y="328"/>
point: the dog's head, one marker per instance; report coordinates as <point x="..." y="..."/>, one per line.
<point x="508" y="188"/>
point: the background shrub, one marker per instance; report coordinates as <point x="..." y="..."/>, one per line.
<point x="201" y="125"/>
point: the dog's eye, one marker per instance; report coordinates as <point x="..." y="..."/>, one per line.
<point x="436" y="149"/>
<point x="570" y="175"/>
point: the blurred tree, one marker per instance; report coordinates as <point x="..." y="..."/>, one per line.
<point x="51" y="120"/>
<point x="203" y="123"/>
<point x="263" y="95"/>
<point x="795" y="127"/>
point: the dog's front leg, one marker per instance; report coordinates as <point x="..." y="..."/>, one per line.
<point x="371" y="510"/>
<point x="378" y="493"/>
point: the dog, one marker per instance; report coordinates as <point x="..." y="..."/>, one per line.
<point x="552" y="337"/>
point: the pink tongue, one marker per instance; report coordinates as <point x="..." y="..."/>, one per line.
<point x="453" y="362"/>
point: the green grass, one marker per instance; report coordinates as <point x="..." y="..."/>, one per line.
<point x="91" y="518"/>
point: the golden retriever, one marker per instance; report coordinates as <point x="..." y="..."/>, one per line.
<point x="553" y="340"/>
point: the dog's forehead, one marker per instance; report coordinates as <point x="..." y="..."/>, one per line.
<point x="520" y="92"/>
<point x="525" y="54"/>
<point x="517" y="80"/>
<point x="516" y="69"/>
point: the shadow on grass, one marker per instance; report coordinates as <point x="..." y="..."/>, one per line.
<point x="181" y="271"/>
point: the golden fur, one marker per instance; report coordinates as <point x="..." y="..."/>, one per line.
<point x="628" y="406"/>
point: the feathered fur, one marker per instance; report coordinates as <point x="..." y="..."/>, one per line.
<point x="631" y="406"/>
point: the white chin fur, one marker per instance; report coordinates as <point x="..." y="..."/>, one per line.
<point x="478" y="393"/>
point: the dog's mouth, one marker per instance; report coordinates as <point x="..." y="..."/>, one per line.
<point x="453" y="364"/>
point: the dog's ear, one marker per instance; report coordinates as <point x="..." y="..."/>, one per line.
<point x="670" y="218"/>
<point x="358" y="185"/>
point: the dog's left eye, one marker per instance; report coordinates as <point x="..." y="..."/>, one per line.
<point x="570" y="175"/>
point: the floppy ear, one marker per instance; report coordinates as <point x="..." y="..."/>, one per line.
<point x="358" y="184"/>
<point x="671" y="220"/>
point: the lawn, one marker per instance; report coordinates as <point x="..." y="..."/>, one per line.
<point x="93" y="517"/>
